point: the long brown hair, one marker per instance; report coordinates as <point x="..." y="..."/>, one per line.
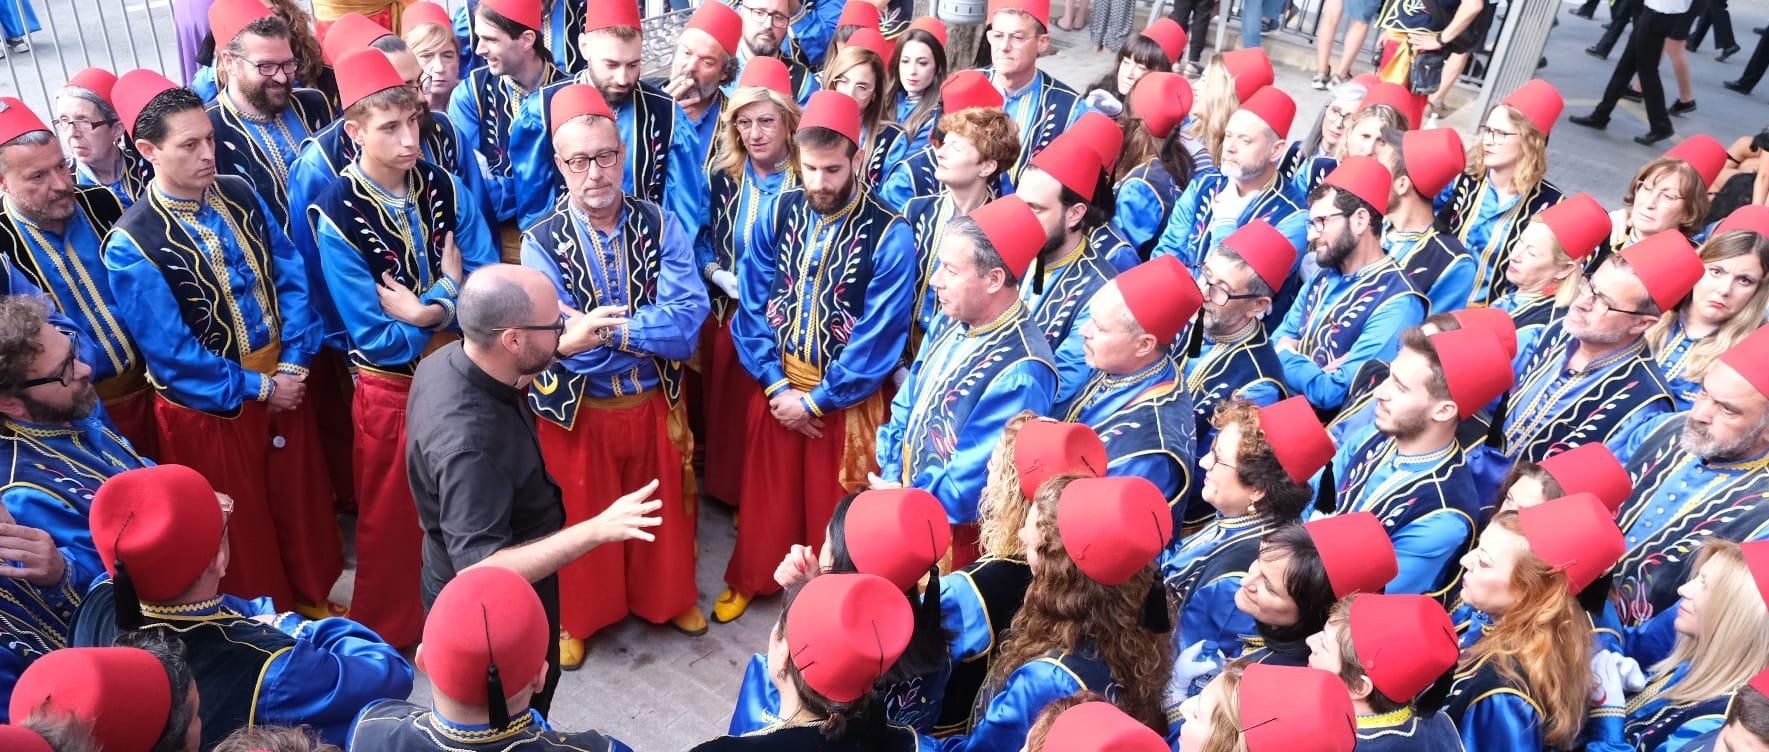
<point x="1065" y="610"/>
<point x="1689" y="186"/>
<point x="1215" y="102"/>
<point x="1542" y="643"/>
<point x="301" y="39"/>
<point x="1749" y="317"/>
<point x="872" y="115"/>
<point x="730" y="153"/>
<point x="1532" y="162"/>
<point x="1002" y="509"/>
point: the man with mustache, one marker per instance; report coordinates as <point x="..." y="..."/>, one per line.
<point x="704" y="63"/>
<point x="260" y="119"/>
<point x="613" y="417"/>
<point x="51" y="231"/>
<point x="218" y="300"/>
<point x="663" y="165"/>
<point x="1361" y="300"/>
<point x="824" y="314"/>
<point x="766" y="34"/>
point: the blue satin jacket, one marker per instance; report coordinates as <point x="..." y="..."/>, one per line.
<point x="1405" y="730"/>
<point x="53" y="473"/>
<point x="1436" y="263"/>
<point x="1061" y="309"/>
<point x="1342" y="320"/>
<point x="1493" y="713"/>
<point x="1552" y="408"/>
<point x="1145" y="420"/>
<point x="399" y="726"/>
<point x="1009" y="712"/>
<point x="484" y="108"/>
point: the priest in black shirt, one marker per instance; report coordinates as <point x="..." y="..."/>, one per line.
<point x="483" y="494"/>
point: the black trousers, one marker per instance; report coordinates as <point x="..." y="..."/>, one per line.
<point x="1753" y="70"/>
<point x="1621" y="14"/>
<point x="548" y="590"/>
<point x="1194" y="16"/>
<point x="1646" y="48"/>
<point x="1720" y="19"/>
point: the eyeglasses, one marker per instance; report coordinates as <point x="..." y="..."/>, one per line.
<point x="65" y="373"/>
<point x="580" y="164"/>
<point x="1219" y="294"/>
<point x="1601" y="304"/>
<point x="1319" y="224"/>
<point x="774" y="18"/>
<point x="1493" y="134"/>
<point x="81" y="127"/>
<point x="764" y="124"/>
<point x="1016" y="39"/>
<point x="286" y="67"/>
<point x="557" y="327"/>
<point x="1338" y="116"/>
<point x="1212" y="459"/>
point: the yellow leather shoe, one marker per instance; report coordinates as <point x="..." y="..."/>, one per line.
<point x="318" y="611"/>
<point x="731" y="604"/>
<point x="691" y="622"/>
<point x="571" y="652"/>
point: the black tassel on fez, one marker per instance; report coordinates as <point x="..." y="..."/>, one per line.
<point x="497" y="708"/>
<point x="1194" y="342"/>
<point x="126" y="604"/>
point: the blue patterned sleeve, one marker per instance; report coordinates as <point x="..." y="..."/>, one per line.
<point x="686" y="196"/>
<point x="1138" y="216"/>
<point x="472" y="231"/>
<point x="1501" y="722"/>
<point x="876" y="344"/>
<point x="595" y="359"/>
<point x="1071" y="363"/>
<point x="1607" y="732"/>
<point x="898" y="185"/>
<point x="1210" y="615"/>
<point x="1454" y="286"/>
<point x="1380" y="339"/>
<point x="1632" y="431"/>
<point x="463" y="32"/>
<point x="669" y="328"/>
<point x="1425" y="549"/>
<point x="1158" y="469"/>
<point x="302" y="334"/>
<point x="335" y="669"/>
<point x="470" y="179"/>
<point x="758" y="700"/>
<point x="756" y="347"/>
<point x="199" y="379"/>
<point x="958" y="484"/>
<point x="537" y="183"/>
<point x="377" y="335"/>
<point x="70" y="528"/>
<point x="890" y="435"/>
<point x="1010" y="713"/>
<point x="1176" y="237"/>
<point x="463" y="109"/>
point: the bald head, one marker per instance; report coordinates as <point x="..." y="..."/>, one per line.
<point x="504" y="295"/>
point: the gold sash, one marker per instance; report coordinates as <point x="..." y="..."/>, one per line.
<point x="859" y="424"/>
<point x="264" y="359"/>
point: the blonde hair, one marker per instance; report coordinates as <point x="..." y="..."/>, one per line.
<point x="854" y="56"/>
<point x="427" y="38"/>
<point x="1215" y="103"/>
<point x="1749" y="317"/>
<point x="1002" y="509"/>
<point x="1225" y="723"/>
<point x="1532" y="160"/>
<point x="1729" y="647"/>
<point x="730" y="153"/>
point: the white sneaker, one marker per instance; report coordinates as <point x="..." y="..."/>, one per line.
<point x="19" y="45"/>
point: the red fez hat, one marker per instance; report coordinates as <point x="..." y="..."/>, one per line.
<point x="1355" y="551"/>
<point x="1756" y="559"/>
<point x="899" y="533"/>
<point x="859" y="13"/>
<point x="124" y="694"/>
<point x="833" y="110"/>
<point x="1100" y="727"/>
<point x="351" y="32"/>
<point x="1013" y="229"/>
<point x="1703" y="153"/>
<point x="1475" y="368"/>
<point x="228" y="17"/>
<point x="1578" y="222"/>
<point x="1434" y="157"/>
<point x="96" y="80"/>
<point x="1366" y="80"/>
<point x="133" y="92"/>
<point x="868" y="38"/>
<point x="483" y="616"/>
<point x="1273" y="106"/>
<point x="1394" y="95"/>
<point x="1161" y="295"/>
<point x="424" y="12"/>
<point x="1403" y="642"/>
<point x="1574" y="534"/>
<point x="1750" y="358"/>
<point x="966" y="89"/>
<point x="1297" y="438"/>
<point x="769" y="73"/>
<point x="370" y="73"/>
<point x="1113" y="527"/>
<point x="845" y="630"/>
<point x="1365" y="178"/>
<point x="578" y="100"/>
<point x="1251" y="69"/>
<point x="1169" y="35"/>
<point x="1071" y="161"/>
<point x="1750" y="218"/>
<point x="1162" y="100"/>
<point x="1760" y="682"/>
<point x="933" y="26"/>
<point x="1593" y="469"/>
<point x="1295" y="709"/>
<point x="1539" y="103"/>
<point x="1038" y="9"/>
<point x="1494" y="321"/>
<point x="720" y="22"/>
<point x="1271" y="255"/>
<point x="1668" y="265"/>
<point x="526" y="13"/>
<point x="16" y="119"/>
<point x="21" y="739"/>
<point x="1103" y="135"/>
<point x="610" y="14"/>
<point x="163" y="522"/>
<point x="1047" y="448"/>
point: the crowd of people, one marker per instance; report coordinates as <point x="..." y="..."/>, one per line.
<point x="1127" y="417"/>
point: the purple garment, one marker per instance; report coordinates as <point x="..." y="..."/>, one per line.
<point x="192" y="20"/>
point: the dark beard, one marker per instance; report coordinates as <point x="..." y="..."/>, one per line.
<point x="1053" y="244"/>
<point x="261" y="99"/>
<point x="824" y="204"/>
<point x="617" y="100"/>
<point x="534" y="361"/>
<point x="81" y="407"/>
<point x="1336" y="251"/>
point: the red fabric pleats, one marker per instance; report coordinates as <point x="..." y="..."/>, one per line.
<point x="133" y="417"/>
<point x="389" y="538"/>
<point x="728" y="391"/>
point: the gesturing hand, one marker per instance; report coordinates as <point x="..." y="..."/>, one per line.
<point x="799" y="566"/>
<point x="588" y="331"/>
<point x="629" y="515"/>
<point x="29" y="554"/>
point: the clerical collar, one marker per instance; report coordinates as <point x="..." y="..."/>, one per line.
<point x="1385" y="720"/>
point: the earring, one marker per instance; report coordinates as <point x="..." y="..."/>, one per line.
<point x="1252" y="507"/>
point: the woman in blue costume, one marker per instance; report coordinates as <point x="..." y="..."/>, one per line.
<point x="896" y="550"/>
<point x="1545" y="268"/>
<point x="1140" y="55"/>
<point x="1094" y="623"/>
<point x="1525" y="682"/>
<point x="1719" y="627"/>
<point x="1393" y="652"/>
<point x="918" y="71"/>
<point x="860" y="73"/>
<point x="1247" y="481"/>
<point x="1666" y="195"/>
<point x="1155" y="166"/>
<point x="1305" y="163"/>
<point x="1302" y="570"/>
<point x="1726" y="306"/>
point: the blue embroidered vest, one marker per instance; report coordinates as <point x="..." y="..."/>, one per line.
<point x="1230" y="554"/>
<point x="1158" y="422"/>
<point x="1533" y="431"/>
<point x="497" y="108"/>
<point x="237" y="154"/>
<point x="1305" y="172"/>
<point x="1440" y="484"/>
<point x="438" y="144"/>
<point x="1067" y="291"/>
<point x="558" y="392"/>
<point x="1224" y="368"/>
<point x="889" y="135"/>
<point x="841" y="271"/>
<point x="1651" y="720"/>
<point x="1166" y="189"/>
<point x="1425" y="256"/>
<point x="379" y="237"/>
<point x="398" y="726"/>
<point x="1404" y="731"/>
<point x="1459" y="214"/>
<point x="1001" y="586"/>
<point x="735" y="212"/>
<point x="1481" y="680"/>
<point x="1330" y="328"/>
